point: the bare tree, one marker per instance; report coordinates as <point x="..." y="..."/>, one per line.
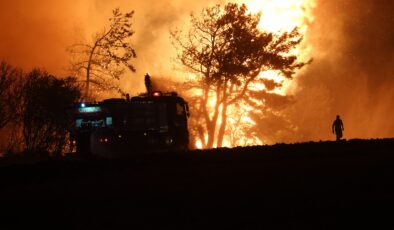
<point x="227" y="52"/>
<point x="107" y="57"/>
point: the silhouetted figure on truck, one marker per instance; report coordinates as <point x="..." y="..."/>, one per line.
<point x="148" y="85"/>
<point x="337" y="128"/>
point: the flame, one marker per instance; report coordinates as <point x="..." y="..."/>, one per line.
<point x="277" y="16"/>
<point x="283" y="15"/>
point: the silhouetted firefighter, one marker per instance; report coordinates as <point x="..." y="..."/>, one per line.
<point x="148" y="85"/>
<point x="337" y="127"/>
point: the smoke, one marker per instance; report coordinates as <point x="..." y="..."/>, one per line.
<point x="37" y="33"/>
<point x="351" y="74"/>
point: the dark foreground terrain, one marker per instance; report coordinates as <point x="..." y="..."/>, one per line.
<point x="322" y="185"/>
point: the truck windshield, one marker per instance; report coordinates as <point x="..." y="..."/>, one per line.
<point x="90" y="122"/>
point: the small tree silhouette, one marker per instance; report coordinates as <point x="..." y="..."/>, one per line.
<point x="10" y="93"/>
<point x="44" y="114"/>
<point x="107" y="56"/>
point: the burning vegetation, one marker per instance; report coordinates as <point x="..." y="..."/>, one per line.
<point x="229" y="56"/>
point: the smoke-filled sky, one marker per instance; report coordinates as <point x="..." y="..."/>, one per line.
<point x="37" y="33"/>
<point x="352" y="72"/>
<point x="352" y="47"/>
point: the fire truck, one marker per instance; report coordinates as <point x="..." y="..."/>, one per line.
<point x="152" y="122"/>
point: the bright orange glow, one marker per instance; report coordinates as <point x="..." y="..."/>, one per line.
<point x="283" y="16"/>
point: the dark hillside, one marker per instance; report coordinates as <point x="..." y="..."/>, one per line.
<point x="318" y="185"/>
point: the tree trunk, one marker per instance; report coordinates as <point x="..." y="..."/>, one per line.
<point x="201" y="135"/>
<point x="211" y="125"/>
<point x="222" y="128"/>
<point x="90" y="66"/>
<point x="88" y="75"/>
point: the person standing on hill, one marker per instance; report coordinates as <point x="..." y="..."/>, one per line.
<point x="337" y="127"/>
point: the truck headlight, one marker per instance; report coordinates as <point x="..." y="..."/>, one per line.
<point x="169" y="140"/>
